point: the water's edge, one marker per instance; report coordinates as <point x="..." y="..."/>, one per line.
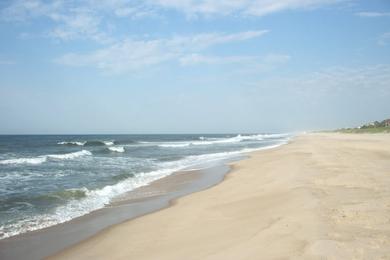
<point x="48" y="241"/>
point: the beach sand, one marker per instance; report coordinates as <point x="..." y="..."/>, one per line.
<point x="322" y="196"/>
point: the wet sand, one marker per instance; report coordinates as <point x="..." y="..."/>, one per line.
<point x="323" y="196"/>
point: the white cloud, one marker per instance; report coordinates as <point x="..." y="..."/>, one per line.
<point x="91" y="19"/>
<point x="265" y="7"/>
<point x="21" y="10"/>
<point x="78" y="24"/>
<point x="372" y="14"/>
<point x="75" y="19"/>
<point x="130" y="55"/>
<point x="204" y="40"/>
<point x="125" y="56"/>
<point x="240" y="7"/>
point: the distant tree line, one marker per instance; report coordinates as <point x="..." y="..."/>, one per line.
<point x="375" y="124"/>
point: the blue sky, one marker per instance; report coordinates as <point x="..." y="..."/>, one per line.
<point x="186" y="66"/>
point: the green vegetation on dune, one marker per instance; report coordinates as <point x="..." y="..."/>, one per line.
<point x="370" y="128"/>
<point x="364" y="130"/>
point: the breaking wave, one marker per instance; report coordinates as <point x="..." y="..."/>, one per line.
<point x="212" y="141"/>
<point x="37" y="160"/>
<point x="43" y="158"/>
<point x="118" y="149"/>
<point x="87" y="143"/>
<point x="72" y="143"/>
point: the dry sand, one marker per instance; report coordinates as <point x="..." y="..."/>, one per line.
<point x="323" y="196"/>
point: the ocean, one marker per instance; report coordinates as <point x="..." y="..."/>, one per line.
<point x="50" y="179"/>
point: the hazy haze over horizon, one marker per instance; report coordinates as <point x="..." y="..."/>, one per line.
<point x="170" y="66"/>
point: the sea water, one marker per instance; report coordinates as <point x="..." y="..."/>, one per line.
<point x="47" y="180"/>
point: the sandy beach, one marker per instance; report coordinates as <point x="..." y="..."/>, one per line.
<point x="322" y="196"/>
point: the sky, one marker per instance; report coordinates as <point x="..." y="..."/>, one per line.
<point x="187" y="66"/>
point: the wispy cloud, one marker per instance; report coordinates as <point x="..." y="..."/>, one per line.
<point x="335" y="80"/>
<point x="75" y="19"/>
<point x="243" y="64"/>
<point x="79" y="23"/>
<point x="197" y="59"/>
<point x="384" y="38"/>
<point x="373" y="78"/>
<point x="22" y="10"/>
<point x="130" y="55"/>
<point x="241" y="7"/>
<point x="6" y="62"/>
<point x="372" y="14"/>
<point x="93" y="19"/>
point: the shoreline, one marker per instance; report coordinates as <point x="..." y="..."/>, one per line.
<point x="144" y="200"/>
<point x="322" y="195"/>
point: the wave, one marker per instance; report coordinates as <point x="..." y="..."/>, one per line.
<point x="72" y="143"/>
<point x="125" y="142"/>
<point x="64" y="195"/>
<point x="122" y="176"/>
<point x="214" y="140"/>
<point x="37" y="160"/>
<point x="71" y="193"/>
<point x="43" y="158"/>
<point x="94" y="143"/>
<point x="118" y="149"/>
<point x="87" y="143"/>
<point x="68" y="156"/>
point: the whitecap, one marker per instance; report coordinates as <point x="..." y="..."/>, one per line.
<point x="118" y="149"/>
<point x="68" y="156"/>
<point x="35" y="160"/>
<point x="72" y="143"/>
<point x="43" y="158"/>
